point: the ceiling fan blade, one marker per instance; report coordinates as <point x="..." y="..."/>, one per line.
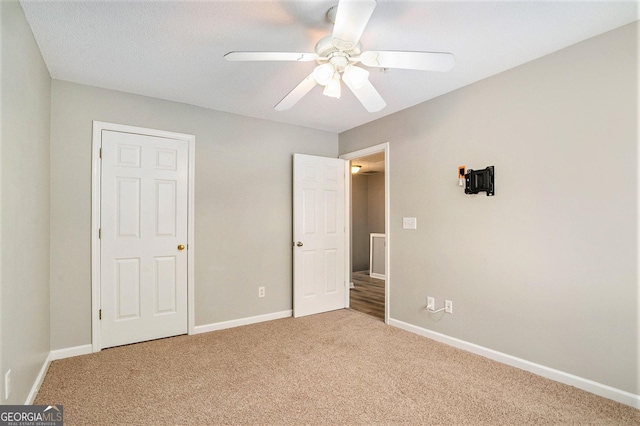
<point x="426" y="61"/>
<point x="367" y="95"/>
<point x="352" y="17"/>
<point x="270" y="56"/>
<point x="297" y="93"/>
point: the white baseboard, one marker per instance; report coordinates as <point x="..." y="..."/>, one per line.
<point x="38" y="382"/>
<point x="54" y="355"/>
<point x="242" y="321"/>
<point x="69" y="352"/>
<point x="378" y="276"/>
<point x="596" y="388"/>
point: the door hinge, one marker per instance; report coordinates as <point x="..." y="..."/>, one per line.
<point x="99" y="233"/>
<point x="100" y="314"/>
<point x="100" y="152"/>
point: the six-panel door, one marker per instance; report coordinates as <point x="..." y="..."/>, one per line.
<point x="143" y="285"/>
<point x="319" y="234"/>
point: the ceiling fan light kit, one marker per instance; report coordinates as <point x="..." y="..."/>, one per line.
<point x="340" y="51"/>
<point x="355" y="75"/>
<point x="332" y="89"/>
<point x="324" y="73"/>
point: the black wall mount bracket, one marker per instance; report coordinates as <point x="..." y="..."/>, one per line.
<point x="477" y="181"/>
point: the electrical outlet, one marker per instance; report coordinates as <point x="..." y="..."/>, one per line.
<point x="260" y="291"/>
<point x="7" y="384"/>
<point x="448" y="306"/>
<point x="431" y="303"/>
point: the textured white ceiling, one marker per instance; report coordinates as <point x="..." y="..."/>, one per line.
<point x="174" y="49"/>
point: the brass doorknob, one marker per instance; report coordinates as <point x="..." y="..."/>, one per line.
<point x="181" y="247"/>
<point x="299" y="244"/>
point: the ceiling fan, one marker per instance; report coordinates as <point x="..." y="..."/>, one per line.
<point x="340" y="52"/>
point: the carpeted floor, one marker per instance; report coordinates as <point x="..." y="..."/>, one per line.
<point x="341" y="367"/>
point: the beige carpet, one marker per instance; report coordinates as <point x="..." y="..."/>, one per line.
<point x="341" y="367"/>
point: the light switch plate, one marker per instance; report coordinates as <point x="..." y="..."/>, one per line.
<point x="409" y="223"/>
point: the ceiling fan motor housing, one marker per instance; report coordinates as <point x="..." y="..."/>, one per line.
<point x="331" y="48"/>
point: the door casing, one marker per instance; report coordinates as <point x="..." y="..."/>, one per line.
<point x="383" y="147"/>
<point x="96" y="172"/>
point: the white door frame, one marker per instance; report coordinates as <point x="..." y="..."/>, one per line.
<point x="96" y="173"/>
<point x="383" y="147"/>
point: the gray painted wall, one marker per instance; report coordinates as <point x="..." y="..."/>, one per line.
<point x="376" y="203"/>
<point x="243" y="184"/>
<point x="545" y="270"/>
<point x="367" y="214"/>
<point x="24" y="224"/>
<point x="359" y="223"/>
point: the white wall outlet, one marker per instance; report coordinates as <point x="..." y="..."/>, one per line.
<point x="260" y="291"/>
<point x="431" y="303"/>
<point x="448" y="306"/>
<point x="7" y="384"/>
<point x="409" y="223"/>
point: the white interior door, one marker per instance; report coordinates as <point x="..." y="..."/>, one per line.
<point x="143" y="261"/>
<point x="319" y="278"/>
